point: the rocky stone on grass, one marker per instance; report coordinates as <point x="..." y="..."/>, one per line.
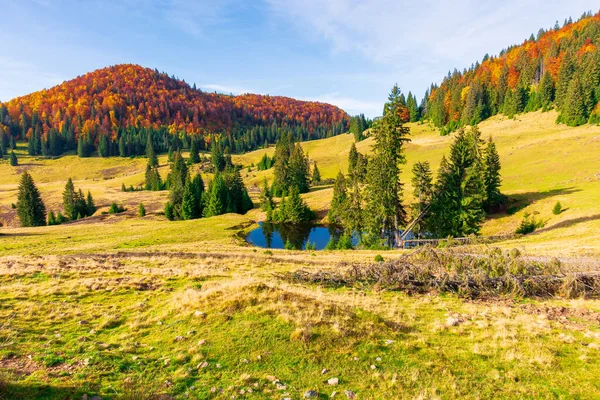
<point x="333" y="381"/>
<point x="350" y="394"/>
<point x="452" y="321"/>
<point x="310" y="394"/>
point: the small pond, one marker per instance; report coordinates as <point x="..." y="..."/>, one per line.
<point x="275" y="236"/>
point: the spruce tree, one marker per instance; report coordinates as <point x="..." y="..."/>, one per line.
<point x="13" y="159"/>
<point x="574" y="111"/>
<point x="316" y="175"/>
<point x="30" y="207"/>
<point x="150" y="153"/>
<point x="423" y="193"/>
<point x="283" y="151"/>
<point x="194" y="155"/>
<point x="338" y="203"/>
<point x="198" y="190"/>
<point x="547" y="90"/>
<point x="122" y="147"/>
<point x="385" y="211"/>
<point x="216" y="197"/>
<point x="153" y="180"/>
<point x="299" y="170"/>
<point x="217" y="157"/>
<point x="266" y="204"/>
<point x="90" y="206"/>
<point x="51" y="218"/>
<point x="141" y="210"/>
<point x="352" y="160"/>
<point x="491" y="177"/>
<point x="189" y="207"/>
<point x="457" y="207"/>
<point x="69" y="200"/>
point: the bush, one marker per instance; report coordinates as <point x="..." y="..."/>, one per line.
<point x="142" y="210"/>
<point x="528" y="225"/>
<point x="557" y="209"/>
<point x="116" y="209"/>
<point x="310" y="246"/>
<point x="378" y="258"/>
<point x="332" y="244"/>
<point x="345" y="242"/>
<point x="169" y="211"/>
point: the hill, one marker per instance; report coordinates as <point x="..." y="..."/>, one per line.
<point x="557" y="68"/>
<point x="132" y="101"/>
<point x="127" y="307"/>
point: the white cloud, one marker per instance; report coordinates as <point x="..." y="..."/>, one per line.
<point x="349" y="104"/>
<point x="392" y="31"/>
<point x="226" y="89"/>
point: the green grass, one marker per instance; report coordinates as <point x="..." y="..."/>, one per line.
<point x="112" y="303"/>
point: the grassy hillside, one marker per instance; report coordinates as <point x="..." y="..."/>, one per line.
<point x="127" y="307"/>
<point x="542" y="163"/>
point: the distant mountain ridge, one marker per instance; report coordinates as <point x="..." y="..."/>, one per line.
<point x="109" y="100"/>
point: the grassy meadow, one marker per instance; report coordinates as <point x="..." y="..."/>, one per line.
<point x="125" y="307"/>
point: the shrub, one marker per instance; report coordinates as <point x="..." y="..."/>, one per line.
<point x="142" y="210"/>
<point x="345" y="242"/>
<point x="310" y="246"/>
<point x="115" y="209"/>
<point x="528" y="225"/>
<point x="557" y="209"/>
<point x="169" y="211"/>
<point x="332" y="244"/>
<point x="378" y="258"/>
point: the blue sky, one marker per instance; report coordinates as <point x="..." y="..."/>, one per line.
<point x="345" y="52"/>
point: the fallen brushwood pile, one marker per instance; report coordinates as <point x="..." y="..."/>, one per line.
<point x="492" y="274"/>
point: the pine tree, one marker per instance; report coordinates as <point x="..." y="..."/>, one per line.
<point x="385" y="211"/>
<point x="51" y="218"/>
<point x="194" y="155"/>
<point x="352" y="160"/>
<point x="266" y="204"/>
<point x="217" y="157"/>
<point x="152" y="159"/>
<point x="547" y="90"/>
<point x="13" y="159"/>
<point x="153" y="180"/>
<point x="30" y="207"/>
<point x="216" y="197"/>
<point x="338" y="203"/>
<point x="122" y="147"/>
<point x="574" y="109"/>
<point x="198" y="191"/>
<point x="176" y="180"/>
<point x="141" y="210"/>
<point x="90" y="206"/>
<point x="69" y="200"/>
<point x="457" y="207"/>
<point x="293" y="210"/>
<point x="283" y="151"/>
<point x="299" y="170"/>
<point x="316" y="175"/>
<point x="491" y="176"/>
<point x="423" y="193"/>
<point x="189" y="207"/>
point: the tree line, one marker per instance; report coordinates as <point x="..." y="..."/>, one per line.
<point x="368" y="201"/>
<point x="557" y="68"/>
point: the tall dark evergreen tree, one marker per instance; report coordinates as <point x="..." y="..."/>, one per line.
<point x="491" y="177"/>
<point x="422" y="182"/>
<point x="339" y="201"/>
<point x="150" y="153"/>
<point x="385" y="211"/>
<point x="13" y="159"/>
<point x="30" y="207"/>
<point x="194" y="155"/>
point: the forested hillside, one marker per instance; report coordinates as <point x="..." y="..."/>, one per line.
<point x="113" y="110"/>
<point x="557" y="68"/>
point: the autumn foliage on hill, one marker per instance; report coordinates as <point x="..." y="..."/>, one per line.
<point x="127" y="98"/>
<point x="558" y="68"/>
